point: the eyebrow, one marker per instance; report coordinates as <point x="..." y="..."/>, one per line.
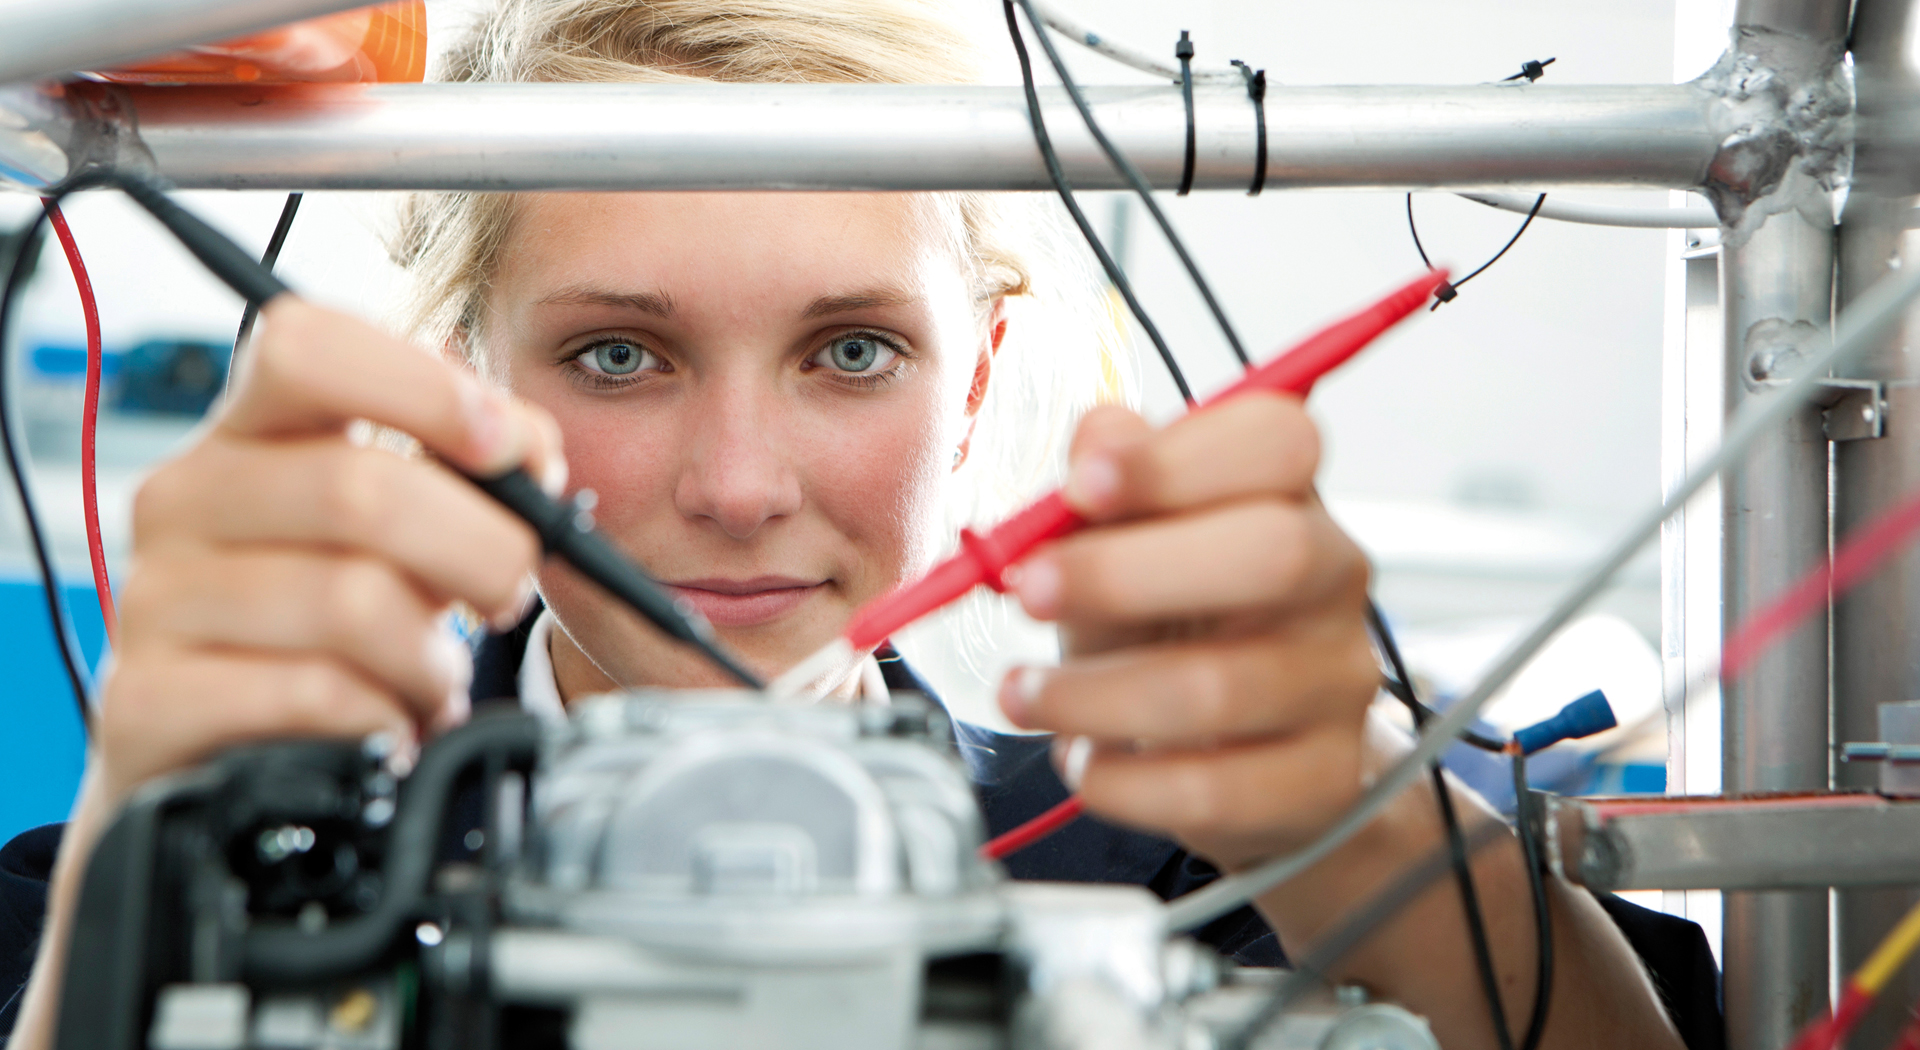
<point x="829" y="305"/>
<point x="659" y="304"/>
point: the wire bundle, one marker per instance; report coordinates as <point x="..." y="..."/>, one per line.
<point x="1457" y="841"/>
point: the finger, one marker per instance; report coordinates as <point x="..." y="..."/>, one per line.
<point x="1107" y="429"/>
<point x="355" y="610"/>
<point x="314" y="371"/>
<point x="167" y="710"/>
<point x="1194" y="694"/>
<point x="1257" y="555"/>
<point x="1252" y="445"/>
<point x="412" y="512"/>
<point x="1277" y="790"/>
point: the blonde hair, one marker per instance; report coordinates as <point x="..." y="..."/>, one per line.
<point x="1061" y="354"/>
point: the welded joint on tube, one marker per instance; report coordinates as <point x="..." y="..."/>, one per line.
<point x="53" y="136"/>
<point x="1783" y="106"/>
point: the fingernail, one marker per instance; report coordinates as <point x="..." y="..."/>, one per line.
<point x="517" y="610"/>
<point x="1018" y="692"/>
<point x="1093" y="483"/>
<point x="1037" y="583"/>
<point x="489" y="425"/>
<point x="1070" y="757"/>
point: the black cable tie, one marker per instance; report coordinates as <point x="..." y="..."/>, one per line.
<point x="1257" y="92"/>
<point x="1183" y="50"/>
<point x="1532" y="69"/>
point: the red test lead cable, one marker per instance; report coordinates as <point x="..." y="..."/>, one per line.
<point x="983" y="557"/>
<point x="1055" y="818"/>
<point x="89" y="419"/>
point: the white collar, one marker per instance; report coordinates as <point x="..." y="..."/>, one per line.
<point x="540" y="690"/>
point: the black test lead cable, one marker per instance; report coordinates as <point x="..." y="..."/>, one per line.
<point x="267" y="259"/>
<point x="25" y="256"/>
<point x="565" y="530"/>
<point x="1060" y="184"/>
<point x="1123" y="165"/>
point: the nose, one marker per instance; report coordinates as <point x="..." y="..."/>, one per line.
<point x="734" y="470"/>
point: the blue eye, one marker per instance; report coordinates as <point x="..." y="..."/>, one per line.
<point x="856" y="352"/>
<point x="617" y="358"/>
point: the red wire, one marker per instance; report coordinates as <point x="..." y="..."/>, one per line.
<point x="1862" y="552"/>
<point x="1033" y="830"/>
<point x="89" y="419"/>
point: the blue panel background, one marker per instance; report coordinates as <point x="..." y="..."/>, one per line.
<point x="42" y="748"/>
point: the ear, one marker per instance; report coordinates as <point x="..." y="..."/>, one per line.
<point x="454" y="350"/>
<point x="994" y="334"/>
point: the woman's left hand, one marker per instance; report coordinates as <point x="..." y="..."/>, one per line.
<point x="1214" y="624"/>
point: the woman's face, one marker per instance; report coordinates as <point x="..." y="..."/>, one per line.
<point x="767" y="392"/>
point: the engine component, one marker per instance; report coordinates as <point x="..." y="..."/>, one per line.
<point x="662" y="871"/>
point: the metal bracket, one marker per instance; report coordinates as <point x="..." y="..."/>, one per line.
<point x="1855" y="408"/>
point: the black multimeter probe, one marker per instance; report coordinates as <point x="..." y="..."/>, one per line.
<point x="565" y="530"/>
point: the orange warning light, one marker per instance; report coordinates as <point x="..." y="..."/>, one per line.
<point x="382" y="44"/>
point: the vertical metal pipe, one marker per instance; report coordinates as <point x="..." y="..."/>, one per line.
<point x="1771" y="186"/>
<point x="1876" y="628"/>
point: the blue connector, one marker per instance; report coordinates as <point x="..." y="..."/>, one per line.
<point x="1584" y="717"/>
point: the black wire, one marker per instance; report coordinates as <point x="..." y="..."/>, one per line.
<point x="1456" y="841"/>
<point x="1065" y="189"/>
<point x="1542" y="914"/>
<point x="1120" y="163"/>
<point x="1528" y="221"/>
<point x="20" y="270"/>
<point x="1400" y="687"/>
<point x="267" y="259"/>
<point x="1470" y="903"/>
<point x="1532" y="70"/>
<point x="1447" y="291"/>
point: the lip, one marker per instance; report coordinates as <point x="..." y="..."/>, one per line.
<point x="744" y="603"/>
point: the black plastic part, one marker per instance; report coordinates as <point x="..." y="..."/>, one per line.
<point x="1184" y="52"/>
<point x="566" y="532"/>
<point x="975" y="988"/>
<point x="1257" y="94"/>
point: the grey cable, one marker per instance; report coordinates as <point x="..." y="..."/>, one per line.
<point x="1856" y="332"/>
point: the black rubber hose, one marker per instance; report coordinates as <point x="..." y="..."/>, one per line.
<point x="284" y="955"/>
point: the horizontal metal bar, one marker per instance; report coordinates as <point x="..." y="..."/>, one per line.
<point x="43" y="38"/>
<point x="1768" y="842"/>
<point x="908" y="137"/>
<point x="1601" y="214"/>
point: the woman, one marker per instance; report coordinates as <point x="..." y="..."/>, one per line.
<point x="770" y="395"/>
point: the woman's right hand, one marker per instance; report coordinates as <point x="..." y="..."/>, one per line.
<point x="286" y="580"/>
